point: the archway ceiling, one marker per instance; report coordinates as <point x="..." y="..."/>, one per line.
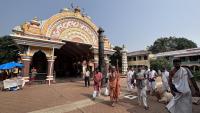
<point x="75" y="50"/>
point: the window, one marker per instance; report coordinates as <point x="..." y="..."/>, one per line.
<point x="183" y="59"/>
<point x="139" y="57"/>
<point x="129" y="59"/>
<point x="193" y="58"/>
<point x="134" y="58"/>
<point x="145" y="57"/>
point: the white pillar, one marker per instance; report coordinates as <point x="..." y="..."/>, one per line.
<point x="124" y="60"/>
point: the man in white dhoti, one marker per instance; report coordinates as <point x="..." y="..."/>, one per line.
<point x="129" y="79"/>
<point x="178" y="82"/>
<point x="152" y="81"/>
<point x="165" y="77"/>
<point x="141" y="87"/>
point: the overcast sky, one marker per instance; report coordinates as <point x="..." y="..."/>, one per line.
<point x="135" y="23"/>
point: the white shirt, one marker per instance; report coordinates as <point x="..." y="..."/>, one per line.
<point x="165" y="76"/>
<point x="84" y="69"/>
<point x="129" y="75"/>
<point x="180" y="80"/>
<point x="152" y="74"/>
<point x="87" y="74"/>
<point x="147" y="73"/>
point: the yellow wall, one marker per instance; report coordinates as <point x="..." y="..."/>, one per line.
<point x="33" y="49"/>
<point x="140" y="62"/>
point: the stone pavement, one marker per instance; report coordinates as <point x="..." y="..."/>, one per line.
<point x="71" y="97"/>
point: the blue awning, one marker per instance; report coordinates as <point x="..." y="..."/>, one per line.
<point x="10" y="65"/>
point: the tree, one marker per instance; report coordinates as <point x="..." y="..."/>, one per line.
<point x="158" y="64"/>
<point x="8" y="49"/>
<point x="116" y="58"/>
<point x="171" y="44"/>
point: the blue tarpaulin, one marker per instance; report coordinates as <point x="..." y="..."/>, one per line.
<point x="10" y="65"/>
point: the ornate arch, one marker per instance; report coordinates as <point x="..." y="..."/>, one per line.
<point x="70" y="26"/>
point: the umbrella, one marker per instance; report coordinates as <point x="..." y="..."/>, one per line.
<point x="10" y="65"/>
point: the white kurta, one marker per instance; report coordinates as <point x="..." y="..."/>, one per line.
<point x="182" y="102"/>
<point x="147" y="73"/>
<point x="141" y="90"/>
<point x="165" y="77"/>
<point x="152" y="84"/>
<point x="129" y="78"/>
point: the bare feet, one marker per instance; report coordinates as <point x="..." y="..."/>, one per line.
<point x="146" y="107"/>
<point x="113" y="104"/>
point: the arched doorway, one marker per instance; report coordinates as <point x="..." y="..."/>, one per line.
<point x="39" y="62"/>
<point x="70" y="58"/>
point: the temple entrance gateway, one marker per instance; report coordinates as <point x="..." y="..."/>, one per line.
<point x="68" y="39"/>
<point x="70" y="58"/>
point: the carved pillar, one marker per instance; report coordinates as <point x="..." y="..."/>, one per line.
<point x="101" y="54"/>
<point x="124" y="60"/>
<point x="101" y="49"/>
<point x="50" y="66"/>
<point x="26" y="60"/>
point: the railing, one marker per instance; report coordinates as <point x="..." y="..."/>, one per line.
<point x="190" y="63"/>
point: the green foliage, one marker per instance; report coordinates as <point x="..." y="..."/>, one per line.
<point x="171" y="44"/>
<point x="196" y="75"/>
<point x="8" y="49"/>
<point x="158" y="64"/>
<point x="116" y="57"/>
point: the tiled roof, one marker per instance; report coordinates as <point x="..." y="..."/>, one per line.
<point x="141" y="52"/>
<point x="185" y="52"/>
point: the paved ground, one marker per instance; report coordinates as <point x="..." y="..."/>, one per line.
<point x="70" y="97"/>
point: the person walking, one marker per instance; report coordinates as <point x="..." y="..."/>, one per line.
<point x="97" y="83"/>
<point x="129" y="77"/>
<point x="114" y="85"/>
<point x="147" y="72"/>
<point x="141" y="87"/>
<point x="165" y="78"/>
<point x="87" y="78"/>
<point x="152" y="80"/>
<point x="180" y="89"/>
<point x="106" y="93"/>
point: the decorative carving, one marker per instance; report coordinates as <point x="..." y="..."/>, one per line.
<point x="69" y="28"/>
<point x="107" y="43"/>
<point x="35" y="22"/>
<point x="77" y="10"/>
<point x="67" y="14"/>
<point x="31" y="28"/>
<point x="66" y="25"/>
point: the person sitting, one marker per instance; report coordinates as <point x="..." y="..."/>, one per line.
<point x="33" y="74"/>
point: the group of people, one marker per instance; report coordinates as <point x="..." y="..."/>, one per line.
<point x="113" y="84"/>
<point x="144" y="80"/>
<point x="178" y="82"/>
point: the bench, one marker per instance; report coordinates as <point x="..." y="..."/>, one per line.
<point x="49" y="79"/>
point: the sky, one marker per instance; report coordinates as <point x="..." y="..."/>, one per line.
<point x="135" y="23"/>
